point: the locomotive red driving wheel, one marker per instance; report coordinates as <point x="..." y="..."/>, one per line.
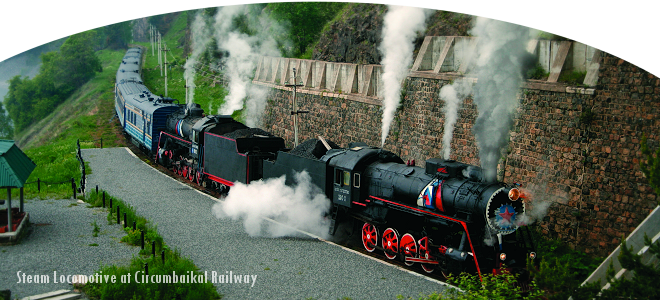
<point x="369" y="237"/>
<point x="425" y="253"/>
<point x="408" y="247"/>
<point x="198" y="178"/>
<point x="391" y="243"/>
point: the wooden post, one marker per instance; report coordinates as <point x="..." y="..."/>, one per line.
<point x="9" y="221"/>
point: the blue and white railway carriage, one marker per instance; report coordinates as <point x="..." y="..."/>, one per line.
<point x="141" y="113"/>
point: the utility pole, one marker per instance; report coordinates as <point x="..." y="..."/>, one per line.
<point x="160" y="55"/>
<point x="295" y="111"/>
<point x="151" y="31"/>
<point x="165" y="63"/>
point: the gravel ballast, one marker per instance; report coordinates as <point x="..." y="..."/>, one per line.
<point x="61" y="240"/>
<point x="286" y="268"/>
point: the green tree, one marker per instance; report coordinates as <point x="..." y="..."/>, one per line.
<point x="306" y="20"/>
<point x="645" y="277"/>
<point x="78" y="61"/>
<point x="6" y="128"/>
<point x="61" y="73"/>
<point x="115" y="36"/>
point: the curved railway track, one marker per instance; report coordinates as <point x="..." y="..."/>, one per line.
<point x="351" y="241"/>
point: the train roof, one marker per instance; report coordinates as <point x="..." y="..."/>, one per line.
<point x="359" y="155"/>
<point x="129" y="83"/>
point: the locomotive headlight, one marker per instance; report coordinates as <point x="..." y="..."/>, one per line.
<point x="503" y="256"/>
<point x="514" y="194"/>
<point x="532" y="255"/>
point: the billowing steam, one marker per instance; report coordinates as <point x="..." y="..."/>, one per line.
<point x="255" y="105"/>
<point x="243" y="51"/>
<point x="500" y="55"/>
<point x="200" y="39"/>
<point x="239" y="66"/>
<point x="537" y="202"/>
<point x="453" y="96"/>
<point x="301" y="206"/>
<point x="401" y="24"/>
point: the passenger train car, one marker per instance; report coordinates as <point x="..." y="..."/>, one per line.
<point x="141" y="113"/>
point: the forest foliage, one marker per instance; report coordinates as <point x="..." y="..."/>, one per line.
<point x="305" y="21"/>
<point x="61" y="73"/>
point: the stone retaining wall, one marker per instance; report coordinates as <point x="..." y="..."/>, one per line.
<point x="578" y="149"/>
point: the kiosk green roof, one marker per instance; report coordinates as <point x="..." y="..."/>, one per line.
<point x="15" y="166"/>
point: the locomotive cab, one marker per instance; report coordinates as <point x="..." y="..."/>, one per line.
<point x="347" y="167"/>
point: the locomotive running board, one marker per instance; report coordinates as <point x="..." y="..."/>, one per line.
<point x="422" y="260"/>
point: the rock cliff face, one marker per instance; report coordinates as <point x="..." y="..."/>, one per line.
<point x="354" y="36"/>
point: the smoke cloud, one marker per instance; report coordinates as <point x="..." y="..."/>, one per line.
<point x="200" y="39"/>
<point x="453" y="95"/>
<point x="537" y="202"/>
<point x="302" y="206"/>
<point x="401" y="24"/>
<point x="500" y="56"/>
<point x="255" y="105"/>
<point x="243" y="51"/>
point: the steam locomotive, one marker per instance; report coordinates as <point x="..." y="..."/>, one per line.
<point x="444" y="216"/>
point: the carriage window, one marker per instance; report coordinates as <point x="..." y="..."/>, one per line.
<point x="338" y="177"/>
<point x="356" y="180"/>
<point x="347" y="179"/>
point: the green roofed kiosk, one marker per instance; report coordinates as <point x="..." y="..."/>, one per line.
<point x="15" y="168"/>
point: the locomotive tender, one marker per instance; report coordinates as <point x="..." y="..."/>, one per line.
<point x="443" y="216"/>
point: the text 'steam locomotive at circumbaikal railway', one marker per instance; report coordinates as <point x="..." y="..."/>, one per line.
<point x="444" y="216"/>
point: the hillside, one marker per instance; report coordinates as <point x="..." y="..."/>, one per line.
<point x="354" y="35"/>
<point x="90" y="108"/>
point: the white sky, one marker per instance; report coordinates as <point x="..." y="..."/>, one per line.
<point x="626" y="30"/>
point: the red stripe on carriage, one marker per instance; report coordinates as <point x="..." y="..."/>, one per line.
<point x="476" y="263"/>
<point x="219" y="180"/>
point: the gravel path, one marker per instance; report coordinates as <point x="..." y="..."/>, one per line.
<point x="59" y="241"/>
<point x="286" y="268"/>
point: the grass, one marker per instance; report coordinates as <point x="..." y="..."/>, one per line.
<point x="173" y="262"/>
<point x="573" y="78"/>
<point x="51" y="143"/>
<point x="208" y="95"/>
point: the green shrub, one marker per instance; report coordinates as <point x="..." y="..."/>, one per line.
<point x="173" y="263"/>
<point x="538" y="72"/>
<point x="489" y="287"/>
<point x="573" y="78"/>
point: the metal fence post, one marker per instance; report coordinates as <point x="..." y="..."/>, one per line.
<point x="73" y="186"/>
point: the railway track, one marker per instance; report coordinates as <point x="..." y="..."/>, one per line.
<point x="352" y="240"/>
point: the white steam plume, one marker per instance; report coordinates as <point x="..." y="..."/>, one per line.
<point x="400" y="27"/>
<point x="239" y="66"/>
<point x="537" y="201"/>
<point x="255" y="105"/>
<point x="302" y="206"/>
<point x="200" y="39"/>
<point x="453" y="95"/>
<point x="243" y="51"/>
<point x="501" y="50"/>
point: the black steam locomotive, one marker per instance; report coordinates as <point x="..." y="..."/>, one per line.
<point x="444" y="216"/>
